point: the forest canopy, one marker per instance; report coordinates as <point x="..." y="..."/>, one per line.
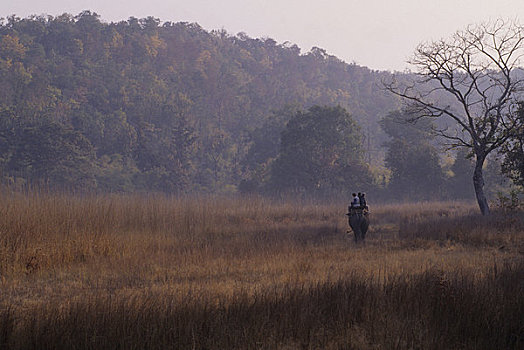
<point x="144" y="105"/>
<point x="141" y="105"/>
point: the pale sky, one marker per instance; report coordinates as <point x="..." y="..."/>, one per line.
<point x="379" y="34"/>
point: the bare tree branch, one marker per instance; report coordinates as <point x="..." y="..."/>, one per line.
<point x="478" y="68"/>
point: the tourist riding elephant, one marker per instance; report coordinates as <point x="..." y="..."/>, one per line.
<point x="359" y="223"/>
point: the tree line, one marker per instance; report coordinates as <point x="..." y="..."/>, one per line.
<point x="141" y="105"/>
<point x="144" y="105"/>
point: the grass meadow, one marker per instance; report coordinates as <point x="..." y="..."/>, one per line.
<point x="159" y="272"/>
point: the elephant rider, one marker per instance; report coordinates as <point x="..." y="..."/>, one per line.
<point x="355" y="207"/>
<point x="358" y="205"/>
<point x="362" y="198"/>
<point x="355" y="203"/>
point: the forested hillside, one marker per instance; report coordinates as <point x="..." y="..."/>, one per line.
<point x="141" y="105"/>
<point x="144" y="105"/>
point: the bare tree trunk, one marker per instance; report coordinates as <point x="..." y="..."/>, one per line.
<point x="478" y="183"/>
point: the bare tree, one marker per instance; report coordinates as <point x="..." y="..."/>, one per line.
<point x="471" y="80"/>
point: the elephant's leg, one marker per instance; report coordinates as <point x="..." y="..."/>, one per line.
<point x="364" y="227"/>
<point x="359" y="234"/>
<point x="355" y="227"/>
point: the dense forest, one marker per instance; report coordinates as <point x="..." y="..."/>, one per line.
<point x="141" y="105"/>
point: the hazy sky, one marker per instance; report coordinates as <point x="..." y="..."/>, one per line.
<point x="380" y="34"/>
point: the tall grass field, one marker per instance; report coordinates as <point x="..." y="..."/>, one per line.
<point x="159" y="272"/>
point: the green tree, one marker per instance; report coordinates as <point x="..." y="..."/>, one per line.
<point x="416" y="173"/>
<point x="320" y="154"/>
<point x="263" y="150"/>
<point x="513" y="164"/>
<point x="163" y="155"/>
<point x="460" y="185"/>
<point x="47" y="152"/>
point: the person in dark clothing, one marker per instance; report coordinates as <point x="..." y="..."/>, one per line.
<point x="362" y="198"/>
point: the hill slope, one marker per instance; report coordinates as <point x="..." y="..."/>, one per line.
<point x="140" y="105"/>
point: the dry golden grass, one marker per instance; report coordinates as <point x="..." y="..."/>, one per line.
<point x="162" y="272"/>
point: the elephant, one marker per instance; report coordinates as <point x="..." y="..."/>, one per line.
<point x="359" y="223"/>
